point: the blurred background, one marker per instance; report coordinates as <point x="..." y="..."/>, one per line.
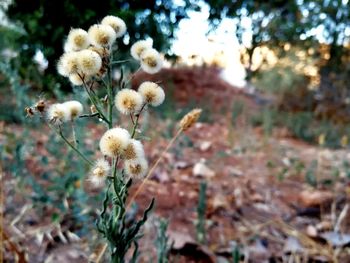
<point x="273" y="79"/>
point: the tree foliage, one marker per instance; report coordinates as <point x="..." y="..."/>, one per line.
<point x="305" y="23"/>
<point x="46" y="23"/>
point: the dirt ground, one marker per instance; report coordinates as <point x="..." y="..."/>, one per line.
<point x="259" y="196"/>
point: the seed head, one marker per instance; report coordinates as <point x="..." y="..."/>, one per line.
<point x="29" y="111"/>
<point x="40" y="106"/>
<point x="74" y="108"/>
<point x="136" y="168"/>
<point x="189" y="119"/>
<point x="139" y="47"/>
<point x="102" y="35"/>
<point x="100" y="50"/>
<point x="151" y="61"/>
<point x="128" y="101"/>
<point x="68" y="64"/>
<point x="116" y="23"/>
<point x="99" y="172"/>
<point x="90" y="62"/>
<point x="134" y="150"/>
<point x="152" y="93"/>
<point x="77" y="40"/>
<point x="57" y="113"/>
<point x="114" y="141"/>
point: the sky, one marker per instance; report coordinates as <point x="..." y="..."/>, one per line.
<point x="221" y="44"/>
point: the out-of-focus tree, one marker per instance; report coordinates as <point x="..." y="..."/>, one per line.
<point x="319" y="27"/>
<point x="297" y="22"/>
<point x="47" y="22"/>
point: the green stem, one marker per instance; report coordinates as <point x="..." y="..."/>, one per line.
<point x="90" y="115"/>
<point x="115" y="179"/>
<point x="73" y="134"/>
<point x="136" y="122"/>
<point x="110" y="107"/>
<point x="110" y="91"/>
<point x="119" y="61"/>
<point x="103" y="117"/>
<point x="72" y="146"/>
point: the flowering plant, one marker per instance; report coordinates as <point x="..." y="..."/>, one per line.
<point x="88" y="62"/>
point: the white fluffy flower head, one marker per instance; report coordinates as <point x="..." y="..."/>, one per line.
<point x="57" y="113"/>
<point x="134" y="150"/>
<point x="152" y="93"/>
<point x="116" y="23"/>
<point x="151" y="61"/>
<point x="136" y="168"/>
<point x="139" y="47"/>
<point x="90" y="62"/>
<point x="99" y="172"/>
<point x="75" y="79"/>
<point x="68" y="64"/>
<point x="74" y="108"/>
<point x="114" y="141"/>
<point x="77" y="40"/>
<point x="102" y="35"/>
<point x="128" y="101"/>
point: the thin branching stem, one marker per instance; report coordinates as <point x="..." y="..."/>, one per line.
<point x="132" y="119"/>
<point x="103" y="117"/>
<point x="119" y="61"/>
<point x="90" y="115"/>
<point x="132" y="76"/>
<point x="136" y="121"/>
<point x="60" y="133"/>
<point x="110" y="91"/>
<point x="74" y="137"/>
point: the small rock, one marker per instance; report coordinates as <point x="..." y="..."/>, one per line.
<point x="286" y="161"/>
<point x="336" y="239"/>
<point x="311" y="198"/>
<point x="311" y="231"/>
<point x="256" y="197"/>
<point x="205" y="146"/>
<point x="292" y="245"/>
<point x="163" y="177"/>
<point x="200" y="169"/>
<point x="324" y="226"/>
<point x="262" y="207"/>
<point x="238" y="195"/>
<point x="184" y="177"/>
<point x="179" y="238"/>
<point x="235" y="171"/>
<point x="258" y="251"/>
<point x="219" y="201"/>
<point x="182" y="165"/>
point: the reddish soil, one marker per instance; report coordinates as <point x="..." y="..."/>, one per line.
<point x="257" y="194"/>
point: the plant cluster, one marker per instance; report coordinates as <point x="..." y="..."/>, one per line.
<point x="88" y="62"/>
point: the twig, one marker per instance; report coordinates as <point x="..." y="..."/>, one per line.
<point x="21" y="213"/>
<point x="72" y="146"/>
<point x="100" y="254"/>
<point x="341" y="217"/>
<point x="19" y="253"/>
<point x="90" y="115"/>
<point x="138" y="190"/>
